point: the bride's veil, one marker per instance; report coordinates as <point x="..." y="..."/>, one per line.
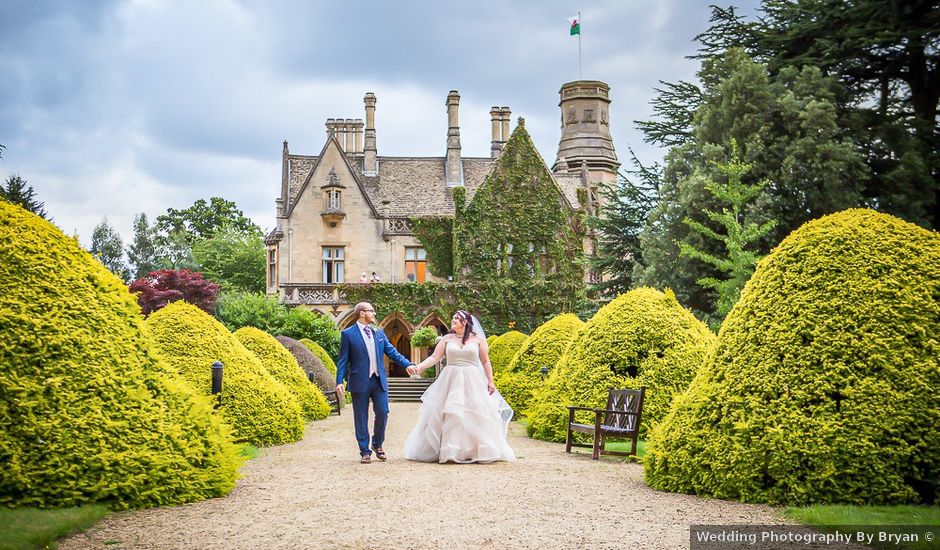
<point x="505" y="411"/>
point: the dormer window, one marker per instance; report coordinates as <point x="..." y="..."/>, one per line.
<point x="334" y="199"/>
<point x="332" y="192"/>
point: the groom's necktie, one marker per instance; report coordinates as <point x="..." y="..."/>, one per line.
<point x="370" y="348"/>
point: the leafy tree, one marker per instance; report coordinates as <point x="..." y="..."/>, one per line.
<point x="621" y="219"/>
<point x="202" y="220"/>
<point x="176" y="251"/>
<point x="143" y="252"/>
<point x="16" y="191"/>
<point x="254" y="309"/>
<point x="233" y="259"/>
<point x="739" y="238"/>
<point x="107" y="248"/>
<point x="165" y="286"/>
<point x="786" y="128"/>
<point x="885" y="57"/>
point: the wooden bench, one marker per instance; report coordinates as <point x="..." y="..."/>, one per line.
<point x="333" y="400"/>
<point x="621" y="419"/>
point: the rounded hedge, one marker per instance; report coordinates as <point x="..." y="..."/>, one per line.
<point x="543" y="348"/>
<point x="823" y="387"/>
<point x="641" y="338"/>
<point x="87" y="413"/>
<point x="282" y="365"/>
<point x="260" y="408"/>
<point x="309" y="362"/>
<point x="503" y="349"/>
<point x="321" y="354"/>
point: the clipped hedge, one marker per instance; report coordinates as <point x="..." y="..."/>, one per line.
<point x="823" y="387"/>
<point x="260" y="408"/>
<point x="309" y="362"/>
<point x="321" y="354"/>
<point x="543" y="348"/>
<point x="87" y="413"/>
<point x="282" y="365"/>
<point x="641" y="338"/>
<point x="503" y="349"/>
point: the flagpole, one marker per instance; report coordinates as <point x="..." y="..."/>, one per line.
<point x="579" y="46"/>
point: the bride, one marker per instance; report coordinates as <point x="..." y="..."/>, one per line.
<point x="462" y="417"/>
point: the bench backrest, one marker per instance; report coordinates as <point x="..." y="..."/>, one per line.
<point x="624" y="401"/>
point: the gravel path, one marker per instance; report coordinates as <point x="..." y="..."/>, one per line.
<point x="315" y="494"/>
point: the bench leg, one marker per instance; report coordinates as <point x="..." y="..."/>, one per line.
<point x="633" y="448"/>
<point x="569" y="441"/>
<point x="597" y="444"/>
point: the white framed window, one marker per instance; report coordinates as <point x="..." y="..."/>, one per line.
<point x="333" y="264"/>
<point x="334" y="199"/>
<point x="272" y="266"/>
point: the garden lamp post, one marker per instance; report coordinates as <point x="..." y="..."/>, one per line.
<point x="544" y="371"/>
<point x="217" y="382"/>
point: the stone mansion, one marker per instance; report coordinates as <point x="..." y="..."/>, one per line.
<point x="347" y="210"/>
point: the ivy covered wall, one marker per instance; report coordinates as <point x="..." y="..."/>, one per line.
<point x="515" y="250"/>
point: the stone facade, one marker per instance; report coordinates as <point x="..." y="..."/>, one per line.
<point x="351" y="201"/>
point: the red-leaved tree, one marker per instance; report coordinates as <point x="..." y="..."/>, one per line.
<point x="164" y="286"/>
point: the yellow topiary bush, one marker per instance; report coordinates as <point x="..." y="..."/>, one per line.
<point x="503" y="348"/>
<point x="282" y="365"/>
<point x="824" y="384"/>
<point x="641" y="338"/>
<point x="321" y="354"/>
<point x="543" y="348"/>
<point x="87" y="413"/>
<point x="260" y="408"/>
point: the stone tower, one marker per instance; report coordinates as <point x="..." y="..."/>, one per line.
<point x="585" y="131"/>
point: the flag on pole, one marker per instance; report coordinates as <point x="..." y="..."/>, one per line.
<point x="575" y="25"/>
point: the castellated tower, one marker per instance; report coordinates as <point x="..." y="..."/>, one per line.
<point x="585" y="131"/>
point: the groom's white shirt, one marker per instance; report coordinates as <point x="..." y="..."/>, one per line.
<point x="370" y="349"/>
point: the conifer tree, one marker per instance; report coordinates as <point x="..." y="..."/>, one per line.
<point x="16" y="191"/>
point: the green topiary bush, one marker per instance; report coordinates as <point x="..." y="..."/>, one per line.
<point x="87" y="413"/>
<point x="641" y="338"/>
<point x="282" y="365"/>
<point x="503" y="349"/>
<point x="321" y="354"/>
<point x="823" y="387"/>
<point x="543" y="348"/>
<point x="260" y="408"/>
<point x="309" y="362"/>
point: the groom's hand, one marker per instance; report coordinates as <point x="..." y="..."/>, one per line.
<point x="412" y="370"/>
<point x="340" y="391"/>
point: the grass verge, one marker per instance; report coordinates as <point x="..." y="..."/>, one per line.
<point x="30" y="528"/>
<point x="829" y="517"/>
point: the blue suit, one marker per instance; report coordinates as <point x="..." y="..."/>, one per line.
<point x="353" y="366"/>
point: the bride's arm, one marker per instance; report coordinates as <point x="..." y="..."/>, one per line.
<point x="485" y="361"/>
<point x="435" y="357"/>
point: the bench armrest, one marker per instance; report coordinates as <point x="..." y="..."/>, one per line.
<point x="603" y="411"/>
<point x="580" y="408"/>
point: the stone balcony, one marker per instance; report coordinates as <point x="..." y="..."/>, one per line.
<point x="313" y="294"/>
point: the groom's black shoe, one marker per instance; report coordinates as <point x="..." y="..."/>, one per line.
<point x="379" y="453"/>
<point x="365" y="459"/>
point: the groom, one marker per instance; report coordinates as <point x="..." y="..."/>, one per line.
<point x="360" y="361"/>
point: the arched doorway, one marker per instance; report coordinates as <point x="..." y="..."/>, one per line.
<point x="398" y="332"/>
<point x="434" y="322"/>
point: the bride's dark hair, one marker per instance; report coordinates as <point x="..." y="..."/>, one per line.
<point x="467" y="318"/>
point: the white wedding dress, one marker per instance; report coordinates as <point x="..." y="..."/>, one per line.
<point x="459" y="421"/>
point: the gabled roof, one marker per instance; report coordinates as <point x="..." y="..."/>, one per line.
<point x="331" y="141"/>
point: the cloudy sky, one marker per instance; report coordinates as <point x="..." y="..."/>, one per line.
<point x="109" y="108"/>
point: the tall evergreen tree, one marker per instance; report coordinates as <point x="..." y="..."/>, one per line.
<point x="786" y="127"/>
<point x="203" y="219"/>
<point x="618" y="225"/>
<point x="885" y="56"/>
<point x="16" y="191"/>
<point x="740" y="237"/>
<point x="143" y="253"/>
<point x="107" y="247"/>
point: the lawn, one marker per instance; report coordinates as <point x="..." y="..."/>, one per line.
<point x="29" y="528"/>
<point x="827" y="518"/>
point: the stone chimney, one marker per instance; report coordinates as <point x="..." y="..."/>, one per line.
<point x="453" y="167"/>
<point x="357" y="133"/>
<point x="585" y="130"/>
<point x="505" y="124"/>
<point x="369" y="165"/>
<point x="496" y="143"/>
<point x="285" y="171"/>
